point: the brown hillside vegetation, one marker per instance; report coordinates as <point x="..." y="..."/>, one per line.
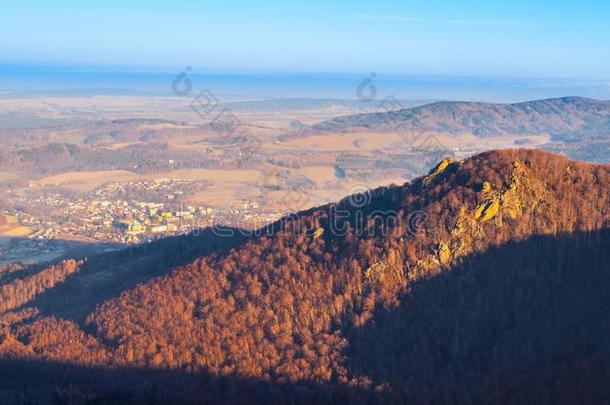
<point x="484" y="281"/>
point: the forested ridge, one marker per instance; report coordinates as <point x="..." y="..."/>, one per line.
<point x="563" y="118"/>
<point x="484" y="281"/>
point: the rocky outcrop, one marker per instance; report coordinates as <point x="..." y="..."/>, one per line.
<point x="437" y="170"/>
<point x="495" y="206"/>
<point x="390" y="272"/>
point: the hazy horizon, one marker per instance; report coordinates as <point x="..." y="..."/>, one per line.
<point x="31" y="80"/>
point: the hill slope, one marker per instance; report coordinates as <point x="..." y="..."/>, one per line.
<point x="483" y="281"/>
<point x="568" y="116"/>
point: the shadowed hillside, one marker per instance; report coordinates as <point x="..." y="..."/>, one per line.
<point x="530" y="329"/>
<point x="525" y="322"/>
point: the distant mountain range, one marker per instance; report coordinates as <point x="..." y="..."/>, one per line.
<point x="560" y="117"/>
<point x="485" y="281"/>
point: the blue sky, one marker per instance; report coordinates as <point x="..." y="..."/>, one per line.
<point x="518" y="38"/>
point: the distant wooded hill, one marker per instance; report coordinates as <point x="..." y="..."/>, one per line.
<point x="561" y="117"/>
